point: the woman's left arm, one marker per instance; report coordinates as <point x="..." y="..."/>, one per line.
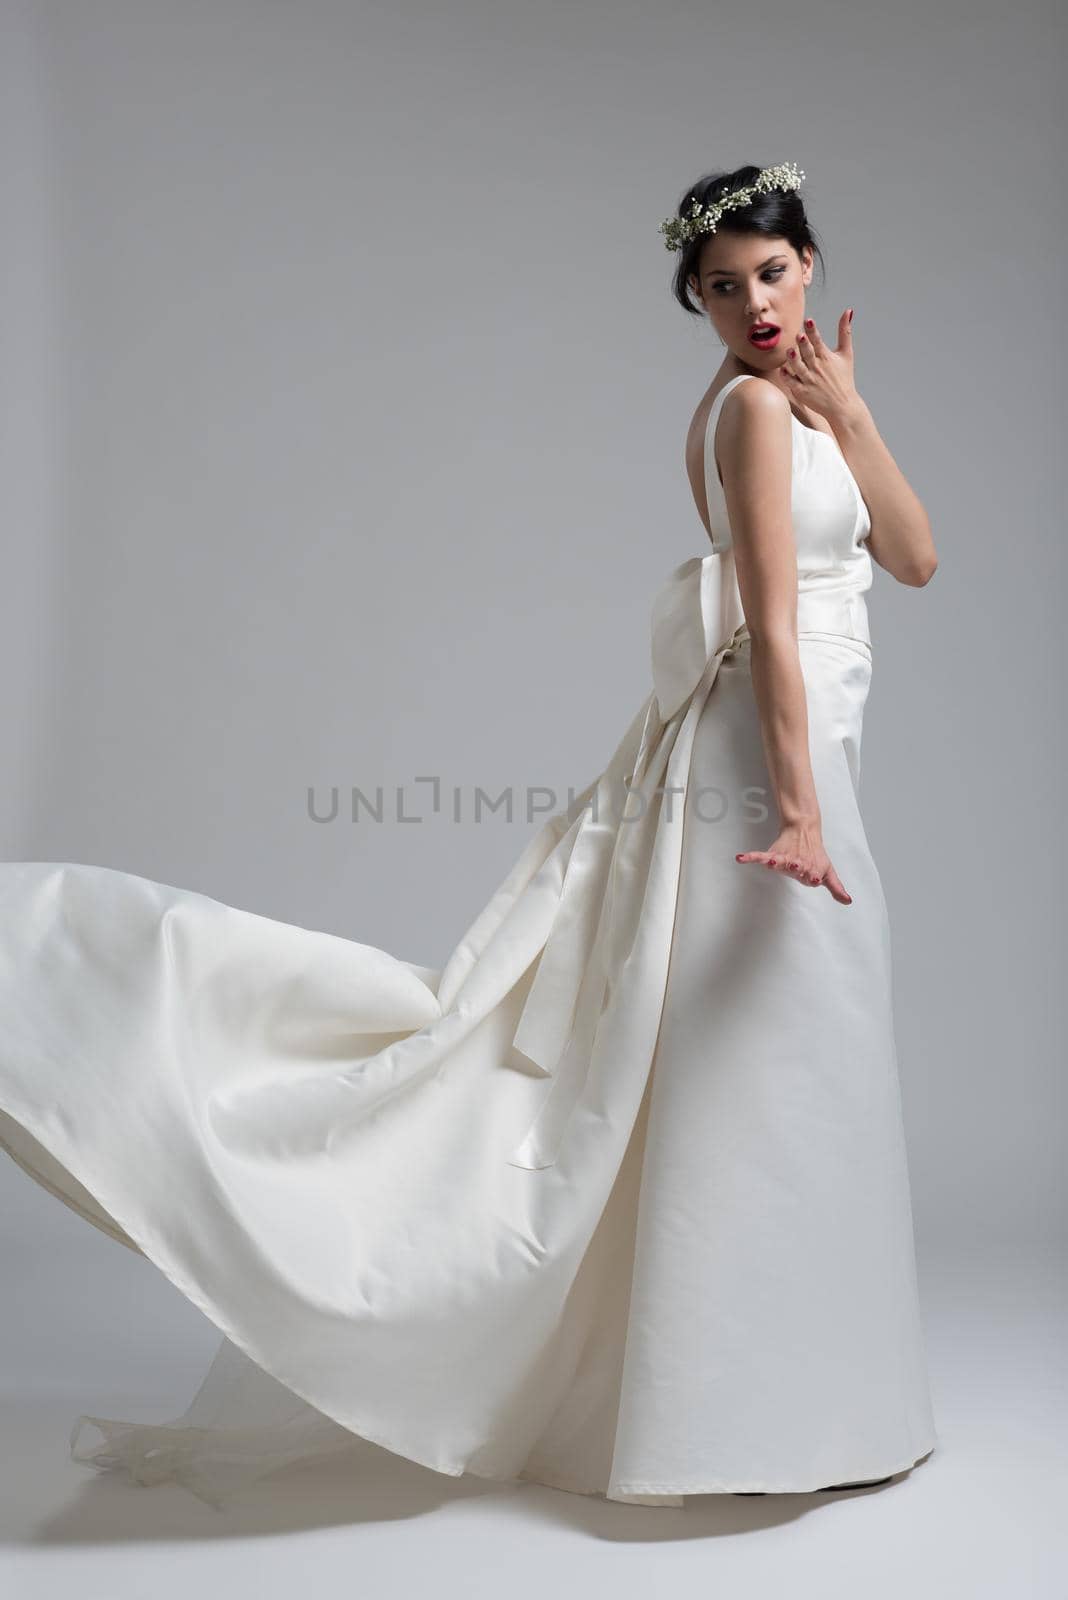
<point x="900" y="539"/>
<point x="821" y="378"/>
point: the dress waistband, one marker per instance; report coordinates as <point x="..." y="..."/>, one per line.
<point x="698" y="614"/>
<point x="843" y="614"/>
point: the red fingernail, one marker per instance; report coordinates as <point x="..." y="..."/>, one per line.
<point x="809" y="322"/>
<point x="851" y="313"/>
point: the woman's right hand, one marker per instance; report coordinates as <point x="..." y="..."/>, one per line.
<point x="799" y="853"/>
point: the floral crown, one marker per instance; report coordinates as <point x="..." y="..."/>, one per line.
<point x="678" y="231"/>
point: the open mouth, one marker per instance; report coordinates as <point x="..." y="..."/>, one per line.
<point x="764" y="334"/>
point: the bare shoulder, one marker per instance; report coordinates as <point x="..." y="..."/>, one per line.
<point x="753" y="420"/>
<point x="754" y="429"/>
<point x="758" y="406"/>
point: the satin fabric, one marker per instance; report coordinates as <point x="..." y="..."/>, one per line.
<point x="616" y="1201"/>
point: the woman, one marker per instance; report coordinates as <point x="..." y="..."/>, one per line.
<point x="617" y="1201"/>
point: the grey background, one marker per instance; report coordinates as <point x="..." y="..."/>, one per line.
<point x="343" y="417"/>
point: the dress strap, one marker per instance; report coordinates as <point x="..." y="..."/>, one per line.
<point x="713" y="417"/>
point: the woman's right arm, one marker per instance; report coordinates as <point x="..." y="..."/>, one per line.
<point x="754" y="444"/>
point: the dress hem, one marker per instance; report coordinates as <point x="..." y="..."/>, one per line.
<point x="740" y="1486"/>
<point x="137" y="1239"/>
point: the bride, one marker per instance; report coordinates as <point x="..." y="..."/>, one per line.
<point x="618" y="1200"/>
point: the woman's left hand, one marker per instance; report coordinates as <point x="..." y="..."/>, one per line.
<point x="818" y="377"/>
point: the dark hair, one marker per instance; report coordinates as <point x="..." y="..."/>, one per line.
<point x="776" y="214"/>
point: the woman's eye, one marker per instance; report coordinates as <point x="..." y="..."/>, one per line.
<point x="772" y="275"/>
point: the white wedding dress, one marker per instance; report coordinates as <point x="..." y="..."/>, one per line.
<point x="617" y="1201"/>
